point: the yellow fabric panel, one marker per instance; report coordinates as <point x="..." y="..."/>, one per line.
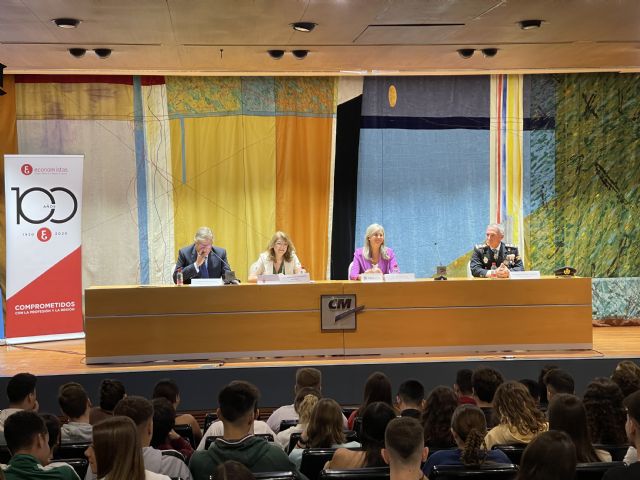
<point x="229" y="183"/>
<point x="8" y="144"/>
<point x="303" y="164"/>
<point x="74" y="101"/>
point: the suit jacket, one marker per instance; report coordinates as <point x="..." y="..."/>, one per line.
<point x="187" y="259"/>
<point x="265" y="266"/>
<point x="482" y="258"/>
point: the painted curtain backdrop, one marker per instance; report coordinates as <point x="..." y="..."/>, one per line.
<point x="251" y="156"/>
<point x="423" y="170"/>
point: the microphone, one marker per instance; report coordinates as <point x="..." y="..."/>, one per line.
<point x="438" y="253"/>
<point x="441" y="270"/>
<point x="230" y="276"/>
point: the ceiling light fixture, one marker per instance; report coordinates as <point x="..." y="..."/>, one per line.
<point x="530" y="24"/>
<point x="300" y="54"/>
<point x="276" y="54"/>
<point x="489" y="52"/>
<point x="305" y="27"/>
<point x="466" y="52"/>
<point x="66" y="22"/>
<point x="102" y="52"/>
<point x="77" y="52"/>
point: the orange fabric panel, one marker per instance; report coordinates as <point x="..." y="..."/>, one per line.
<point x="8" y="144"/>
<point x="303" y="171"/>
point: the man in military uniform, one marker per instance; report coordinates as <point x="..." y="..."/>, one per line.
<point x="504" y="255"/>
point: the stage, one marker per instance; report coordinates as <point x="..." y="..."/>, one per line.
<point x="343" y="376"/>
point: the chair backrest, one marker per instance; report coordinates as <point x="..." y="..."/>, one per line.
<point x="496" y="471"/>
<point x="594" y="471"/>
<point x="313" y="460"/>
<point x="209" y="440"/>
<point x="469" y="274"/>
<point x="274" y="475"/>
<point x="350" y="435"/>
<point x="5" y="454"/>
<point x="513" y="451"/>
<point x="186" y="432"/>
<point x="80" y="465"/>
<point x="70" y="450"/>
<point x="357" y="425"/>
<point x="349" y="270"/>
<point x="209" y="418"/>
<point x="286" y="424"/>
<point x="617" y="451"/>
<point x="174" y="453"/>
<point x="371" y="473"/>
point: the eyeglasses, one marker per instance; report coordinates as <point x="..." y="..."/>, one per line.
<point x="281" y="244"/>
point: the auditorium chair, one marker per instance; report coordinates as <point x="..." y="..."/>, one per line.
<point x="357" y="425"/>
<point x="173" y="453"/>
<point x="496" y="471"/>
<point x="274" y="475"/>
<point x="595" y="470"/>
<point x="186" y="432"/>
<point x="617" y="451"/>
<point x="313" y="461"/>
<point x="513" y="451"/>
<point x="286" y="424"/>
<point x="350" y="436"/>
<point x="70" y="450"/>
<point x="80" y="465"/>
<point x="209" y="418"/>
<point x="209" y="440"/>
<point x="371" y="473"/>
<point x="5" y="454"/>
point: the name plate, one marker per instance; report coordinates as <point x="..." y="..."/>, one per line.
<point x="207" y="282"/>
<point x="295" y="278"/>
<point x="371" y="277"/>
<point x="526" y="275"/>
<point x="269" y="279"/>
<point x="400" y="277"/>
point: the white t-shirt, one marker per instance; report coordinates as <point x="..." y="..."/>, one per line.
<point x="216" y="429"/>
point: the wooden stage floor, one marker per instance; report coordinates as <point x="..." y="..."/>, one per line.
<point x="68" y="357"/>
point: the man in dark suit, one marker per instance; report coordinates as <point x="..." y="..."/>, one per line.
<point x="505" y="256"/>
<point x="202" y="259"/>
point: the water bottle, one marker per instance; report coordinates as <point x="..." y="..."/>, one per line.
<point x="494" y="273"/>
<point x="179" y="277"/>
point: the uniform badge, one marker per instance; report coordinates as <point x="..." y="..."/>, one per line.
<point x="486" y="260"/>
<point x="510" y="258"/>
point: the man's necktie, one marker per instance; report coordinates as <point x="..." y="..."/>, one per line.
<point x="204" y="271"/>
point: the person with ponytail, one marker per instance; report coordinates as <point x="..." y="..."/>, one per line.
<point x="305" y="401"/>
<point x="468" y="427"/>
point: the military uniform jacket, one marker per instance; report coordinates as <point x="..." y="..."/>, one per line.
<point x="482" y="258"/>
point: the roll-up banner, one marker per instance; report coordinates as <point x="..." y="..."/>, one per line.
<point x="43" y="198"/>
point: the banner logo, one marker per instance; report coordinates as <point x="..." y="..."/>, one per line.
<point x="51" y="205"/>
<point x="44" y="234"/>
<point x="26" y="169"/>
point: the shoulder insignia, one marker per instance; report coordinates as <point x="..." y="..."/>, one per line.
<point x="480" y="246"/>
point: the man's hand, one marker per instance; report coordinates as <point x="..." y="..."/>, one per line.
<point x="202" y="256"/>
<point x="503" y="272"/>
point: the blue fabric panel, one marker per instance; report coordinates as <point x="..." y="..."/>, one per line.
<point x="542" y="173"/>
<point x="455" y="96"/>
<point x="424" y="187"/>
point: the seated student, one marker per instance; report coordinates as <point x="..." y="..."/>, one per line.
<point x="21" y="392"/>
<point x="558" y="381"/>
<point x="140" y="410"/>
<point x="375" y="419"/>
<point x="463" y="387"/>
<point x="520" y="418"/>
<point x="436" y="418"/>
<point x="280" y="257"/>
<point x="549" y="456"/>
<point x="323" y="431"/>
<point x="544" y="401"/>
<point x="75" y="404"/>
<point x="115" y="452"/>
<point x="28" y="438"/>
<point x="404" y="449"/>
<point x="304" y="404"/>
<point x="632" y="471"/>
<point x="410" y="398"/>
<point x="606" y="416"/>
<point x="168" y="389"/>
<point x="567" y="413"/>
<point x="111" y="392"/>
<point x="627" y="377"/>
<point x="164" y="437"/>
<point x="216" y="429"/>
<point x="485" y="381"/>
<point x="236" y="407"/>
<point x="469" y="427"/>
<point x="534" y="389"/>
<point x="376" y="389"/>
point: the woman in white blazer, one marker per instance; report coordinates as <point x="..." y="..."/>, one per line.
<point x="280" y="257"/>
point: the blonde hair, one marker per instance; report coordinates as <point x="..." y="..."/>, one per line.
<point x="271" y="247"/>
<point x="203" y="234"/>
<point x="118" y="450"/>
<point x="516" y="408"/>
<point x="305" y="402"/>
<point x="325" y="425"/>
<point x="366" y="249"/>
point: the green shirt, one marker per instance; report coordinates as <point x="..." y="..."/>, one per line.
<point x="27" y="467"/>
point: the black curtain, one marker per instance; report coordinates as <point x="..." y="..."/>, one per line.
<point x="345" y="186"/>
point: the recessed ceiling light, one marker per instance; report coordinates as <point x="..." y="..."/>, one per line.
<point x="303" y="26"/>
<point x="276" y="54"/>
<point x="530" y="24"/>
<point x="102" y="52"/>
<point x="489" y="52"/>
<point x="66" y="22"/>
<point x="466" y="52"/>
<point x="77" y="52"/>
<point x="300" y="54"/>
